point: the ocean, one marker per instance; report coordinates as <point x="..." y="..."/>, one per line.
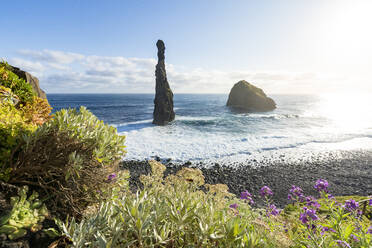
<point x="302" y="128"/>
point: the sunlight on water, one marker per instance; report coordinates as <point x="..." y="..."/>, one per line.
<point x="347" y="112"/>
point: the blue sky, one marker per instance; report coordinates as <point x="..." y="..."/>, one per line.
<point x="283" y="46"/>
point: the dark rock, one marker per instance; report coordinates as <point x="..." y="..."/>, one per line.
<point x="163" y="111"/>
<point x="157" y="158"/>
<point x="40" y="240"/>
<point x="31" y="80"/>
<point x="247" y="97"/>
<point x="14" y="244"/>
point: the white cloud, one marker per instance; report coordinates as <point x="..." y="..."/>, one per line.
<point x="34" y="67"/>
<point x="59" y="67"/>
<point x="52" y="56"/>
<point x="64" y="72"/>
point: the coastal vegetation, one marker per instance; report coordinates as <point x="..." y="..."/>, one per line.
<point x="175" y="212"/>
<point x="64" y="169"/>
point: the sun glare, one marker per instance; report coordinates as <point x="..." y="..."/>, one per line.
<point x="346" y="35"/>
<point x="347" y="112"/>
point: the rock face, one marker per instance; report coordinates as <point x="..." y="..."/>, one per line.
<point x="247" y="97"/>
<point x="31" y="80"/>
<point x="163" y="111"/>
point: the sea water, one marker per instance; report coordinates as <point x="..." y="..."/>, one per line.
<point x="302" y="127"/>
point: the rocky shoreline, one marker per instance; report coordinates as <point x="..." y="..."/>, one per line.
<point x="350" y="175"/>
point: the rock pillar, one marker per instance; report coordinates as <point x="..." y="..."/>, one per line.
<point x="163" y="111"/>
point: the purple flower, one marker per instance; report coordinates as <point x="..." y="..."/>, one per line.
<point x="312" y="214"/>
<point x="245" y="195"/>
<point x="324" y="229"/>
<point x="311" y="202"/>
<point x="295" y="190"/>
<point x="272" y="210"/>
<point x="369" y="231"/>
<point x="321" y="185"/>
<point x="311" y="227"/>
<point x="359" y="212"/>
<point x="308" y="214"/>
<point x="342" y="244"/>
<point x="234" y="206"/>
<point x="111" y="177"/>
<point x="296" y="193"/>
<point x="265" y="191"/>
<point x="355" y="238"/>
<point x="303" y="218"/>
<point x="351" y="205"/>
<point x="370" y="201"/>
<point x="327" y="229"/>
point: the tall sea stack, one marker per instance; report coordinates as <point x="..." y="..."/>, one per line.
<point x="163" y="111"/>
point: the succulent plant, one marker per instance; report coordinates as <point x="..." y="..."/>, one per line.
<point x="27" y="214"/>
<point x="6" y="95"/>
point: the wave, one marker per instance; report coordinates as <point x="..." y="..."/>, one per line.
<point x="193" y="118"/>
<point x="132" y="126"/>
<point x="182" y="144"/>
<point x="274" y="116"/>
<point x="366" y="143"/>
<point x="131" y="123"/>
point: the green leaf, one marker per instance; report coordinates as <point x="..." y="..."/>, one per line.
<point x="348" y="230"/>
<point x="236" y="228"/>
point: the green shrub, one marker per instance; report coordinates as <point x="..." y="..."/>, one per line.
<point x="37" y="112"/>
<point x="13" y="125"/>
<point x="6" y="95"/>
<point x="172" y="213"/>
<point x="82" y="125"/>
<point x="18" y="85"/>
<point x="70" y="158"/>
<point x="27" y="213"/>
<point x="15" y="121"/>
<point x="20" y="113"/>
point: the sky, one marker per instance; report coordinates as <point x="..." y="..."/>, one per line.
<point x="282" y="46"/>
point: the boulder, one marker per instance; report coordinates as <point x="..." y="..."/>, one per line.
<point x="31" y="80"/>
<point x="247" y="97"/>
<point x="163" y="111"/>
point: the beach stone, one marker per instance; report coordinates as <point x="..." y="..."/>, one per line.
<point x="33" y="81"/>
<point x="247" y="97"/>
<point x="163" y="111"/>
<point x="14" y="244"/>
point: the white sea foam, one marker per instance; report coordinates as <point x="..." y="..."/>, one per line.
<point x="193" y="118"/>
<point x="273" y="116"/>
<point x="184" y="143"/>
<point x="131" y="123"/>
<point x="206" y="130"/>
